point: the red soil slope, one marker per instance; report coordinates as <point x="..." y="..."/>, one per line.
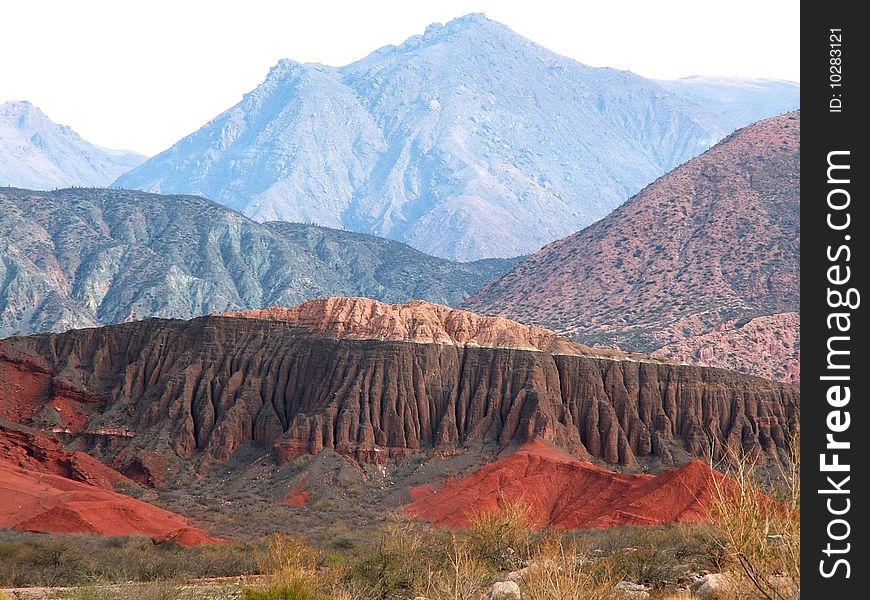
<point x="567" y="493"/>
<point x="46" y="489"/>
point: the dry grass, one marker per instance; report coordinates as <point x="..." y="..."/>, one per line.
<point x="460" y="577"/>
<point x="293" y="572"/>
<point x="502" y="537"/>
<point x="411" y="559"/>
<point x="761" y="536"/>
<point x="28" y="559"/>
<point x="558" y="571"/>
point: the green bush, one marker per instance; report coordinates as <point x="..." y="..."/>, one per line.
<point x="296" y="590"/>
<point x="385" y="575"/>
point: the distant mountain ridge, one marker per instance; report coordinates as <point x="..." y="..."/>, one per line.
<point x="84" y="257"/>
<point x="468" y="141"/>
<point x="37" y="153"/>
<point x="739" y="101"/>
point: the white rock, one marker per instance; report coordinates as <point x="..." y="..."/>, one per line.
<point x="627" y="590"/>
<point x="629" y="586"/>
<point x="714" y="586"/>
<point x="505" y="590"/>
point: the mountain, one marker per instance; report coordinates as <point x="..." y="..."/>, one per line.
<point x="768" y="346"/>
<point x="465" y="142"/>
<point x="37" y="153"/>
<point x="709" y="246"/>
<point x="85" y="257"/>
<point x="339" y="374"/>
<point x="738" y="101"/>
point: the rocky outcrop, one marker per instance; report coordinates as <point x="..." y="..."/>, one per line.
<point x="416" y="322"/>
<point x="715" y="241"/>
<point x="204" y="387"/>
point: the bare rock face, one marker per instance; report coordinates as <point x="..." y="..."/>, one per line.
<point x="204" y="387"/>
<point x="416" y="322"/>
<point x="713" y="242"/>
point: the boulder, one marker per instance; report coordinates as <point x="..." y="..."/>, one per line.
<point x="505" y="590"/>
<point x="713" y="586"/>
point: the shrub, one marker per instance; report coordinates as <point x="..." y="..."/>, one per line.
<point x="62" y="560"/>
<point x="293" y="570"/>
<point x="459" y="577"/>
<point x="502" y="537"/>
<point x="761" y="535"/>
<point x="288" y="591"/>
<point x="558" y="571"/>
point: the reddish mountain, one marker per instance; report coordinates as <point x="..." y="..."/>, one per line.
<point x="714" y="241"/>
<point x="567" y="493"/>
<point x="738" y="345"/>
<point x="47" y="489"/>
<point x="150" y="396"/>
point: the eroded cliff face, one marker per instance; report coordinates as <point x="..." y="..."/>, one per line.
<point x="204" y="387"/>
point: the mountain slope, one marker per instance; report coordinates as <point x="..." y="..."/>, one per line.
<point x="768" y="346"/>
<point x="738" y="101"/>
<point x="468" y="141"/>
<point x="715" y="240"/>
<point x="84" y="257"/>
<point x="39" y="154"/>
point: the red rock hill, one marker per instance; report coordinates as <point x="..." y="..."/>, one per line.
<point x="567" y="493"/>
<point x="46" y="489"/>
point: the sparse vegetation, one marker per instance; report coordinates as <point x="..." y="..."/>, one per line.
<point x="69" y="560"/>
<point x="761" y="537"/>
<point x="751" y="540"/>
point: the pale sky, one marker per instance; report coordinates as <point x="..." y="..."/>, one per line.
<point x="142" y="74"/>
